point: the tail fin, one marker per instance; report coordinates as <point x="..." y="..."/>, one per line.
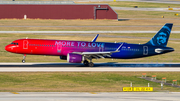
<point x="161" y="38"/>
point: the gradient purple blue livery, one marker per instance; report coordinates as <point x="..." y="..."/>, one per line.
<point x="78" y="51"/>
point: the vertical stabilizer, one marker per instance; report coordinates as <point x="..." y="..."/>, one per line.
<point x="161" y="38"/>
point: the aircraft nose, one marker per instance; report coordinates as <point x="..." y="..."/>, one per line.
<point x="10" y="48"/>
<point x="7" y="48"/>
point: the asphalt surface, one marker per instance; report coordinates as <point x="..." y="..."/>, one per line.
<point x="88" y="33"/>
<point x="91" y="26"/>
<point x="71" y="32"/>
<point x="72" y="69"/>
<point x="99" y="67"/>
<point x="93" y="96"/>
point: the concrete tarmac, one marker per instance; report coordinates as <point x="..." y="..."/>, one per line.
<point x="47" y="32"/>
<point x="98" y="67"/>
<point x="122" y="26"/>
<point x="85" y="96"/>
<point x="85" y="69"/>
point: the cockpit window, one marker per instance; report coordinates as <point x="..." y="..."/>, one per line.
<point x="14" y="43"/>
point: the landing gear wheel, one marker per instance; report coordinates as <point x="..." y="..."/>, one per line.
<point x="85" y="62"/>
<point x="91" y="64"/>
<point x="24" y="57"/>
<point x="23" y="61"/>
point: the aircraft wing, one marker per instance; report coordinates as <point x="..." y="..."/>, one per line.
<point x="96" y="54"/>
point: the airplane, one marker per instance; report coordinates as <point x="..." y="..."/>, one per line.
<point x="84" y="51"/>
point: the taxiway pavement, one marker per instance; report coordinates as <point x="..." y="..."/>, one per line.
<point x="47" y="32"/>
<point x="98" y="67"/>
<point x="85" y="69"/>
<point x="85" y="96"/>
<point x="122" y="26"/>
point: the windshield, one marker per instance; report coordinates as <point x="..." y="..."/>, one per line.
<point x="14" y="43"/>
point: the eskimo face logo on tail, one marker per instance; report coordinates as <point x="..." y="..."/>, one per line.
<point x="161" y="38"/>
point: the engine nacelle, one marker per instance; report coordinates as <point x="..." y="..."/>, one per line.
<point x="74" y="58"/>
<point x="63" y="57"/>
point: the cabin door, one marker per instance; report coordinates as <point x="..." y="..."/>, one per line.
<point x="59" y="48"/>
<point x="145" y="50"/>
<point x="101" y="49"/>
<point x="25" y="44"/>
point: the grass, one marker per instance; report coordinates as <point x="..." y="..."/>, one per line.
<point x="67" y="25"/>
<point x="46" y="22"/>
<point x="146" y="14"/>
<point x="132" y="4"/>
<point x="169" y="76"/>
<point x="79" y="81"/>
<point x="119" y="28"/>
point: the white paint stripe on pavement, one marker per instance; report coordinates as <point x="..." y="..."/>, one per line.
<point x="83" y="31"/>
<point x="85" y="69"/>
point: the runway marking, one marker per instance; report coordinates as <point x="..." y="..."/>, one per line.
<point x="14" y="93"/>
<point x="99" y="67"/>
<point x="47" y="32"/>
<point x="93" y="93"/>
<point x="87" y="69"/>
<point x="84" y="96"/>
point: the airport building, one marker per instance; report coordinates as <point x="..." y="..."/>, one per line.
<point x="54" y="10"/>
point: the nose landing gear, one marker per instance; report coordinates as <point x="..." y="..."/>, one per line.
<point x="23" y="61"/>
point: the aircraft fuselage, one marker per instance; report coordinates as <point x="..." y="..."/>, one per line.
<point x="63" y="47"/>
<point x="78" y="51"/>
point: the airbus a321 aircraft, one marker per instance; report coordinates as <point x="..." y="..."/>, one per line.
<point x="82" y="51"/>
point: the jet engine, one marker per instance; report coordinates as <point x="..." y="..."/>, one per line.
<point x="63" y="57"/>
<point x="74" y="58"/>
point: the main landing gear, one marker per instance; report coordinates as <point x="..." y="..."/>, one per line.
<point x="86" y="63"/>
<point x="23" y="61"/>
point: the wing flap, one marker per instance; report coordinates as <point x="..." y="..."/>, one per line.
<point x="96" y="54"/>
<point x="99" y="54"/>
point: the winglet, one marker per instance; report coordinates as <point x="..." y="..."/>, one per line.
<point x="94" y="40"/>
